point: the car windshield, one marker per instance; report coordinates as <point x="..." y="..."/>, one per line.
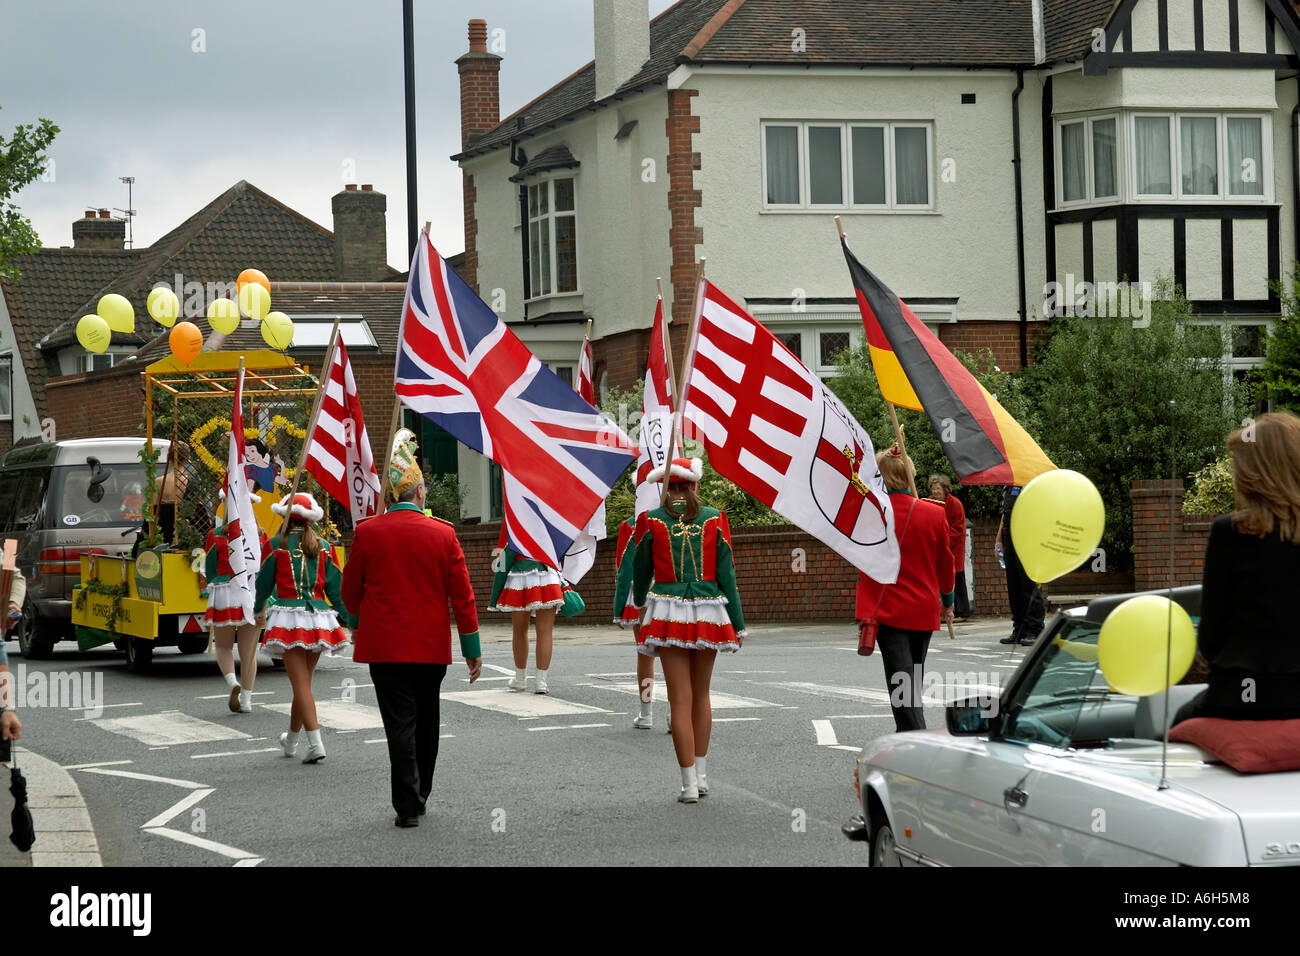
<point x="1065" y="700"/>
<point x="115" y="501"/>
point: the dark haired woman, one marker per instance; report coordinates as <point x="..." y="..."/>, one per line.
<point x="1247" y="632"/>
<point x="685" y="579"/>
<point x="299" y="576"/>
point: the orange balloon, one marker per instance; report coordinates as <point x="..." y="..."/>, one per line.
<point x="186" y="342"/>
<point x="252" y="275"/>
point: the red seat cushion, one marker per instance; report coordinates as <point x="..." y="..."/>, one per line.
<point x="1251" y="746"/>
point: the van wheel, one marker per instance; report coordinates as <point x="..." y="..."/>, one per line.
<point x="193" y="644"/>
<point x="139" y="654"/>
<point x="34" y="643"/>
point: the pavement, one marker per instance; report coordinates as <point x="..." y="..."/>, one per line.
<point x="558" y="766"/>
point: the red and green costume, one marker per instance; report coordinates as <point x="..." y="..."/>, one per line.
<point x="303" y="601"/>
<point x="684" y="576"/>
<point x="521" y="584"/>
<point x="225" y="603"/>
<point x="625" y="612"/>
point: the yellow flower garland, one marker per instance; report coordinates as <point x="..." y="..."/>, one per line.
<point x="218" y="468"/>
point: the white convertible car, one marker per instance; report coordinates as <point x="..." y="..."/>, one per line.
<point x="1063" y="771"/>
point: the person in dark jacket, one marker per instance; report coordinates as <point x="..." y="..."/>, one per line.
<point x="911" y="609"/>
<point x="1023" y="595"/>
<point x="1248" y="633"/>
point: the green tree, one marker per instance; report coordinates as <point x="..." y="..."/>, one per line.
<point x="22" y="160"/>
<point x="1280" y="373"/>
<point x="1120" y="403"/>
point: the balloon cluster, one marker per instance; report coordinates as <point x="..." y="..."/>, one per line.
<point x="112" y="314"/>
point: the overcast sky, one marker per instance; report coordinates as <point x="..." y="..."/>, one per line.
<point x="295" y="96"/>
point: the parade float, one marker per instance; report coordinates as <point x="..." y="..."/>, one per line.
<point x="155" y="594"/>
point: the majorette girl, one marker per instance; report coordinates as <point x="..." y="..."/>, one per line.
<point x="225" y="615"/>
<point x="298" y="578"/>
<point x="685" y="577"/>
<point x="526" y="589"/>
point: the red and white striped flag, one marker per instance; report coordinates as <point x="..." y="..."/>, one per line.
<point x="774" y="429"/>
<point x="656" y="417"/>
<point x="242" y="536"/>
<point x="581" y="556"/>
<point x="338" y="453"/>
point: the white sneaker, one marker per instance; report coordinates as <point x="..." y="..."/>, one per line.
<point x="517" y="683"/>
<point x="643" y="722"/>
<point x="289" y="743"/>
<point x="235" y="691"/>
<point x="541" y="686"/>
<point x="315" y="754"/>
<point x="245" y="701"/>
<point x="701" y="781"/>
<point x="690" y="792"/>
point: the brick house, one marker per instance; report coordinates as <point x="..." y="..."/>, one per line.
<point x="996" y="162"/>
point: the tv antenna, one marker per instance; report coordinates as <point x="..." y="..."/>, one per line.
<point x="129" y="212"/>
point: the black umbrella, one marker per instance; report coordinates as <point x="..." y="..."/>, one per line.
<point x="24" y="832"/>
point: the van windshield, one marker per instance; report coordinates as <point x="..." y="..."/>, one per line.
<point x="116" y="501"/>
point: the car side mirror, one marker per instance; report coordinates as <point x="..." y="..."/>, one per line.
<point x="973" y="717"/>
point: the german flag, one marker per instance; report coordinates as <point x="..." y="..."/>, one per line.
<point x="984" y="444"/>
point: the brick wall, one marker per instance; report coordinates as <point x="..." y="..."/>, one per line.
<point x="1003" y="338"/>
<point x="97" y="405"/>
<point x="480" y="112"/>
<point x="1158" y="519"/>
<point x="622" y="357"/>
<point x="776" y="583"/>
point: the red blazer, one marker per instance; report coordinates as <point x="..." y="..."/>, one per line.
<point x="956" y="513"/>
<point x="926" y="571"/>
<point x="403" y="568"/>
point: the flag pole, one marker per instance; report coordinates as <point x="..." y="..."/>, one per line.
<point x="387" y="485"/>
<point x="668" y="353"/>
<point x="311" y="424"/>
<point x="687" y="362"/>
<point x="893" y="413"/>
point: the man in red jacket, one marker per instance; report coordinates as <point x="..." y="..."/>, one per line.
<point x="403" y="568"/>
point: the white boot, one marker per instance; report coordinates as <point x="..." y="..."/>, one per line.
<point x="541" y="687"/>
<point x="289" y="743"/>
<point x="690" y="792"/>
<point x="701" y="782"/>
<point x="518" y="682"/>
<point x="315" y="747"/>
<point x="245" y="701"/>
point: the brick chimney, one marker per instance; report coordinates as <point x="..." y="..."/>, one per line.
<point x="360" y="234"/>
<point x="480" y="101"/>
<point x="98" y="230"/>
<point x="622" y="42"/>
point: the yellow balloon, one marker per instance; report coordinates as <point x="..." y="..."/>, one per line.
<point x="93" y="333"/>
<point x="117" y="312"/>
<point x="223" y="316"/>
<point x="1133" y="644"/>
<point x="277" y="329"/>
<point x="1056" y="523"/>
<point x="163" y="306"/>
<point x="254" y="301"/>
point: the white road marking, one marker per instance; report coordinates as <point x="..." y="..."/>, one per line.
<point x="733" y="720"/>
<point x="568" y="727"/>
<point x="858" y="716"/>
<point x="339" y="714"/>
<point x="226" y="695"/>
<point x="253" y="862"/>
<point x="168" y="728"/>
<point x="499" y="669"/>
<point x="831" y="690"/>
<point x="236" y="753"/>
<point x="106" y="706"/>
<point x="755" y="672"/>
<point x="182" y="837"/>
<point x="856" y="750"/>
<point x="177" y="809"/>
<point x="825" y="733"/>
<point x="719" y="700"/>
<point x="384" y="740"/>
<point x="102" y="763"/>
<point x="350" y="686"/>
<point x="521" y="705"/>
<point x="149" y="778"/>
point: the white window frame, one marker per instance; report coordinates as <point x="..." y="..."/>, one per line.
<point x="1232" y="364"/>
<point x="846" y="128"/>
<point x="549" y="181"/>
<point x="1126" y="158"/>
<point x="7" y="361"/>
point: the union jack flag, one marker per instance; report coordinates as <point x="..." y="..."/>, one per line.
<point x="459" y="366"/>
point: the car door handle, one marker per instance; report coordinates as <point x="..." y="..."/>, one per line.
<point x="1014" y="798"/>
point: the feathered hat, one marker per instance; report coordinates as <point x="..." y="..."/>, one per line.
<point x="404" y="465"/>
<point x="682" y="469"/>
<point x="304" y="506"/>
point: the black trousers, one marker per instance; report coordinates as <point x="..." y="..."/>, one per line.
<point x="960" y="601"/>
<point x="903" y="654"/>
<point x="1023" y="595"/>
<point x="408" y="703"/>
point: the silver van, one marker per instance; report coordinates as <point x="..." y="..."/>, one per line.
<point x="60" y="500"/>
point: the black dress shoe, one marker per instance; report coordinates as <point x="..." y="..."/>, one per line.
<point x="406" y="822"/>
<point x="1010" y="639"/>
<point x="1028" y="641"/>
